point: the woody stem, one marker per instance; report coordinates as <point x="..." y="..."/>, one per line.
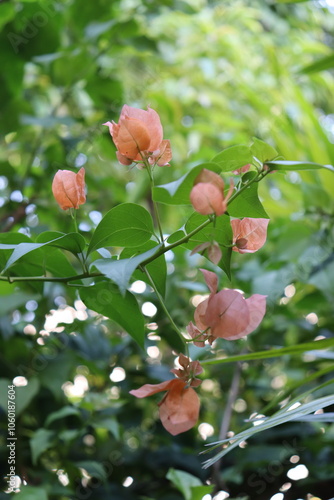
<point x="163" y="305"/>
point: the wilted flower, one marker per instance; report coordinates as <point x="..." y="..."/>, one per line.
<point x="138" y="136"/>
<point x="249" y="235"/>
<point x="207" y="196"/>
<point x="213" y="251"/>
<point x="188" y="371"/>
<point x="179" y="408"/>
<point x="227" y="314"/>
<point x="69" y="188"/>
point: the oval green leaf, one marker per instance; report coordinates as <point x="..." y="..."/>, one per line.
<point x="178" y="192"/>
<point x="233" y="158"/>
<point x="120" y="271"/>
<point x="127" y="225"/>
<point x="297" y="165"/>
<point x="104" y="298"/>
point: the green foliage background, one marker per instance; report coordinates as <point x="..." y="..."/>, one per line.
<point x="218" y="73"/>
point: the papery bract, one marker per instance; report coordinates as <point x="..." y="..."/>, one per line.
<point x="163" y="156"/>
<point x="69" y="188"/>
<point x="207" y="176"/>
<point x="242" y="170"/>
<point x="214" y="252"/>
<point x="179" y="409"/>
<point x="227" y="314"/>
<point x="249" y="235"/>
<point x="207" y="196"/>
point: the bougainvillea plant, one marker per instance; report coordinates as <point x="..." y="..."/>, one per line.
<point x="231" y="208"/>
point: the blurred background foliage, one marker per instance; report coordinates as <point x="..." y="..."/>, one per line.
<point x="218" y="73"/>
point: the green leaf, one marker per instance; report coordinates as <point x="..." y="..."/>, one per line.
<point x="183" y="481"/>
<point x="104" y="298"/>
<point x="281" y="417"/>
<point x="14" y="300"/>
<point x="247" y="204"/>
<point x="221" y="233"/>
<point x="190" y="486"/>
<point x="178" y="192"/>
<point x="198" y="492"/>
<point x="233" y="158"/>
<point x="296" y="165"/>
<point x="176" y="236"/>
<point x="126" y="225"/>
<point x="263" y="151"/>
<point x="94" y="469"/>
<point x="56" y="262"/>
<point x="120" y="271"/>
<point x="31" y="493"/>
<point x="62" y="413"/>
<point x="73" y="242"/>
<point x="7" y="13"/>
<point x="324" y="417"/>
<point x="322" y="64"/>
<point x="94" y="29"/>
<point x="274" y="353"/>
<point x="157" y="268"/>
<point x="110" y="423"/>
<point x="40" y="442"/>
<point x="25" y="394"/>
<point x="8" y="242"/>
<point x="293" y="1"/>
<point x="4" y="383"/>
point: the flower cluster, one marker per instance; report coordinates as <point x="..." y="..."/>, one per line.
<point x="138" y="136"/>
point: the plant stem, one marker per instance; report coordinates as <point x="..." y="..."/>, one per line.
<point x="245" y="186"/>
<point x="225" y="423"/>
<point x="55" y="279"/>
<point x="154" y="203"/>
<point x="163" y="305"/>
<point x="74" y="218"/>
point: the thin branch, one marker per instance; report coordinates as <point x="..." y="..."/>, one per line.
<point x="225" y="424"/>
<point x="163" y="305"/>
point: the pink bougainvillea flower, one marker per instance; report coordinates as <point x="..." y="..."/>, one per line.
<point x="179" y="408"/>
<point x="138" y="136"/>
<point x="163" y="156"/>
<point x="213" y="251"/>
<point x="207" y="196"/>
<point x="69" y="188"/>
<point x="249" y="235"/>
<point x="227" y="314"/>
<point x="242" y="170"/>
